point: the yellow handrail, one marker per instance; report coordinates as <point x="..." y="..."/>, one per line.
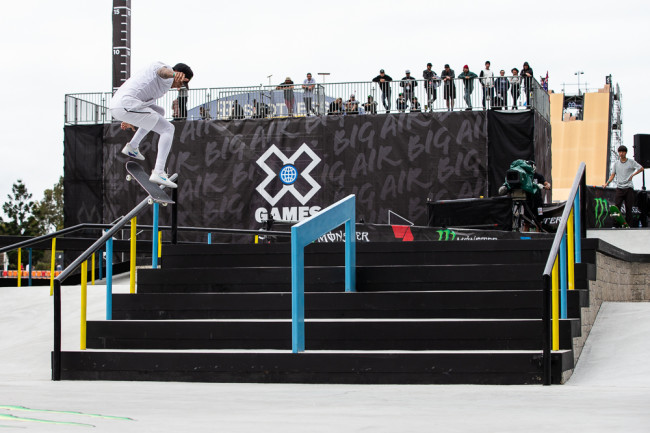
<point x="84" y="301"/>
<point x="52" y="265"/>
<point x="132" y="264"/>
<point x="20" y="271"/>
<point x="555" y="305"/>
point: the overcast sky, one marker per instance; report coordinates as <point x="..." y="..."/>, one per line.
<point x="53" y="48"/>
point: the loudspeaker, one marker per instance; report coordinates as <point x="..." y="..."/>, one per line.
<point x="642" y="149"/>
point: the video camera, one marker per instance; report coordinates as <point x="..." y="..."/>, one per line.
<point x="519" y="180"/>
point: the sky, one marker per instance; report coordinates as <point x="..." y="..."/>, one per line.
<point x="608" y="392"/>
<point x="51" y="49"/>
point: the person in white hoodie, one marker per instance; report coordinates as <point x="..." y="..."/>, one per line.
<point x="487" y="81"/>
<point x="134" y="104"/>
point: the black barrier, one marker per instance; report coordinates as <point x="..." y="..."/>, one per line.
<point x="230" y="171"/>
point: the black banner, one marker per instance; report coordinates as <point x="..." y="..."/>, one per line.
<point x="237" y="173"/>
<point x="600" y="199"/>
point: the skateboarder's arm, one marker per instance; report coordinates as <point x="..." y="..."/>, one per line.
<point x="611" y="178"/>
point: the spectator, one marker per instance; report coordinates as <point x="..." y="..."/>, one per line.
<point x="179" y="106"/>
<point x="415" y="105"/>
<point x="448" y="75"/>
<point x="287" y="88"/>
<point x="370" y="107"/>
<point x="515" y="87"/>
<point x="431" y="82"/>
<point x="624" y="170"/>
<point x="308" y="87"/>
<point x="204" y="112"/>
<point x="352" y="105"/>
<point x="384" y="85"/>
<point x="409" y="84"/>
<point x="501" y="85"/>
<point x="401" y="103"/>
<point x="237" y="111"/>
<point x="468" y="79"/>
<point x="336" y="107"/>
<point x="487" y="82"/>
<point x="527" y="78"/>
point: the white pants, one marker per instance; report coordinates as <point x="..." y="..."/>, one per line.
<point x="149" y="119"/>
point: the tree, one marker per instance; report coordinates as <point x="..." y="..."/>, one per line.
<point x="20" y="211"/>
<point x="49" y="211"/>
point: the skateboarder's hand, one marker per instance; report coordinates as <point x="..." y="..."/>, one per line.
<point x="179" y="79"/>
<point x="126" y="126"/>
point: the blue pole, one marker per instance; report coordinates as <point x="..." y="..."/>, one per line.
<point x="576" y="231"/>
<point x="350" y="256"/>
<point x="209" y="238"/>
<point x="109" y="279"/>
<point x="29" y="268"/>
<point x="154" y="237"/>
<point x="297" y="293"/>
<point x="563" y="278"/>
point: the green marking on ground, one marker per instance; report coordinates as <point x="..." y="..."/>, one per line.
<point x="94" y="415"/>
<point x="41" y="421"/>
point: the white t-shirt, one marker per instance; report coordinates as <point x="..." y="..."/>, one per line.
<point x="623" y="172"/>
<point x="487" y="78"/>
<point x="143" y="88"/>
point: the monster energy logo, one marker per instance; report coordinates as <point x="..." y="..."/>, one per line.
<point x="443" y="235"/>
<point x="601" y="211"/>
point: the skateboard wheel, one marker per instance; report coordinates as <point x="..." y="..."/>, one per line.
<point x="150" y="201"/>
<point x="128" y="178"/>
<point x="164" y="204"/>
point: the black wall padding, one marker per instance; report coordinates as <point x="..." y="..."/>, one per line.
<point x="511" y="136"/>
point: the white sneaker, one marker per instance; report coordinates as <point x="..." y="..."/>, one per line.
<point x="132" y="152"/>
<point x="162" y="179"/>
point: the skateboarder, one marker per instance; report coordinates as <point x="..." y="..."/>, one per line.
<point x="134" y="104"/>
<point x="624" y="170"/>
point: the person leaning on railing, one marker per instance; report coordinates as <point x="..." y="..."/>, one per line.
<point x="409" y="84"/>
<point x="468" y="79"/>
<point x="384" y="85"/>
<point x="431" y="82"/>
<point x="528" y="78"/>
<point x="624" y="170"/>
<point x="501" y="85"/>
<point x="287" y="88"/>
<point x="336" y="107"/>
<point x="448" y="76"/>
<point x="515" y="89"/>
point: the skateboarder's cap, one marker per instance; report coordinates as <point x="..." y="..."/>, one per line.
<point x="182" y="67"/>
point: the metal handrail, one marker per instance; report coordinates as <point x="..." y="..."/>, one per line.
<point x="268" y="101"/>
<point x="579" y="184"/>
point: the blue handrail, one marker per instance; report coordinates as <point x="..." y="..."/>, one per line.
<point x="304" y="233"/>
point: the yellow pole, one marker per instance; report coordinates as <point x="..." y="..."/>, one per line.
<point x="555" y="302"/>
<point x="52" y="266"/>
<point x="132" y="268"/>
<point x="92" y="270"/>
<point x="20" y="272"/>
<point x="159" y="244"/>
<point x="571" y="252"/>
<point x="84" y="299"/>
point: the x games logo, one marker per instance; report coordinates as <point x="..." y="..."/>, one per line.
<point x="284" y="173"/>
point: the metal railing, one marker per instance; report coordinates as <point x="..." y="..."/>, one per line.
<point x="346" y="98"/>
<point x="558" y="276"/>
<point x="306" y="232"/>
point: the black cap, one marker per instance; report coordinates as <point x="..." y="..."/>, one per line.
<point x="381" y="70"/>
<point x="446" y="65"/>
<point x="182" y="67"/>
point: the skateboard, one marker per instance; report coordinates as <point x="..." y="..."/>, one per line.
<point x="156" y="194"/>
<point x="615" y="213"/>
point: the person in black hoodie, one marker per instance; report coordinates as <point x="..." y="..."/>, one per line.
<point x="527" y="78"/>
<point x="384" y="84"/>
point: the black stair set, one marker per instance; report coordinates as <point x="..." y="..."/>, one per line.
<point x="423" y="313"/>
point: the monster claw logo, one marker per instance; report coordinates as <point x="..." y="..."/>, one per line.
<point x="601" y="211"/>
<point x="446" y="234"/>
<point x="288" y="174"/>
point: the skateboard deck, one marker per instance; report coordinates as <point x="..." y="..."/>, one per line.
<point x="156" y="194"/>
<point x="615" y="213"/>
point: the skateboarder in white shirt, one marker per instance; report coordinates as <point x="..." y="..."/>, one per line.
<point x="134" y="104"/>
